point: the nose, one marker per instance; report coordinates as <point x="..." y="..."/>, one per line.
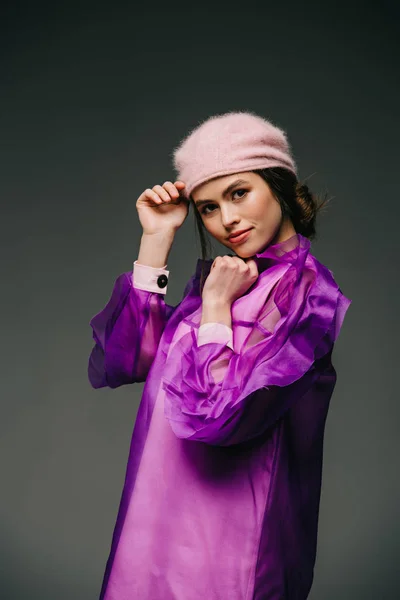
<point x="229" y="216"/>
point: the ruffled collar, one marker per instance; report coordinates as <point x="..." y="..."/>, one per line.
<point x="294" y="250"/>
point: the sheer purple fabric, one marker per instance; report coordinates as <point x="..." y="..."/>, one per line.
<point x="127" y="333"/>
<point x="223" y="480"/>
<point x="277" y="337"/>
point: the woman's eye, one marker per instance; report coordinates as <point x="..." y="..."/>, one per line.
<point x="203" y="211"/>
<point x="236" y="191"/>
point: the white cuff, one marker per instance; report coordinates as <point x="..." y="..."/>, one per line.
<point x="215" y="332"/>
<point x="151" y="279"/>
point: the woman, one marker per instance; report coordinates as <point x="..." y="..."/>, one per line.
<point x="223" y="481"/>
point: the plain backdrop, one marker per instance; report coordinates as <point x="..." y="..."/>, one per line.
<point x="93" y="99"/>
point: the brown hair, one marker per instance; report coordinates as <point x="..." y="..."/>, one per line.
<point x="297" y="203"/>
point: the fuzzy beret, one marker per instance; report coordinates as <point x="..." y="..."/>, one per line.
<point x="233" y="142"/>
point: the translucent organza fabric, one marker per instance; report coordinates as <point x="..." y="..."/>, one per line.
<point x="291" y="318"/>
<point x="223" y="480"/>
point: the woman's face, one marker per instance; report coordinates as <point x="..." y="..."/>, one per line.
<point x="242" y="201"/>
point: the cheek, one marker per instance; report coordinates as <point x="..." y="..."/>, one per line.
<point x="210" y="226"/>
<point x="269" y="212"/>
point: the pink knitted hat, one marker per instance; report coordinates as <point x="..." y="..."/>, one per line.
<point x="230" y="143"/>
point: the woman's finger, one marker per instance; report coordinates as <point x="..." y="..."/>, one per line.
<point x="171" y="189"/>
<point x="151" y="195"/>
<point x="253" y="267"/>
<point x="164" y="195"/>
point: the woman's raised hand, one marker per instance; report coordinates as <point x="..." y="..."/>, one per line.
<point x="162" y="208"/>
<point x="229" y="278"/>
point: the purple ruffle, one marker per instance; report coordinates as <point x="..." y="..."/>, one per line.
<point x="311" y="308"/>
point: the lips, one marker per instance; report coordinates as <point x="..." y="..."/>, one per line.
<point x="243" y="237"/>
<point x="233" y="236"/>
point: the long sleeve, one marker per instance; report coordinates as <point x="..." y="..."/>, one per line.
<point x="128" y="329"/>
<point x="221" y="396"/>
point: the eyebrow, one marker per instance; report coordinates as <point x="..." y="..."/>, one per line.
<point x="225" y="192"/>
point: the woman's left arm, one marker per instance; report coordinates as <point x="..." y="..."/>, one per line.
<point x="221" y="397"/>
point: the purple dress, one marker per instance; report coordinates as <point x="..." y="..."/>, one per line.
<point x="222" y="488"/>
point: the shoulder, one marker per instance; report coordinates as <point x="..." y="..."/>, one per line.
<point x="324" y="279"/>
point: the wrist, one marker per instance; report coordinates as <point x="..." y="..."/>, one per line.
<point x="216" y="310"/>
<point x="159" y="236"/>
<point x="155" y="248"/>
<point x="215" y="301"/>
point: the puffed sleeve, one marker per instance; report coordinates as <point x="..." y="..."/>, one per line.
<point x="128" y="329"/>
<point x="222" y="396"/>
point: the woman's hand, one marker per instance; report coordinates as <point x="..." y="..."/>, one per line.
<point x="229" y="278"/>
<point x="162" y="208"/>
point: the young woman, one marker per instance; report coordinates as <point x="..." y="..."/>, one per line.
<point x="222" y="488"/>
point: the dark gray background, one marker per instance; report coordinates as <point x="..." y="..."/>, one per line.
<point x="93" y="100"/>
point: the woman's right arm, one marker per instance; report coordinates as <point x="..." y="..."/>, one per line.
<point x="128" y="329"/>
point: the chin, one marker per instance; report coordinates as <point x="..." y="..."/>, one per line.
<point x="244" y="253"/>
